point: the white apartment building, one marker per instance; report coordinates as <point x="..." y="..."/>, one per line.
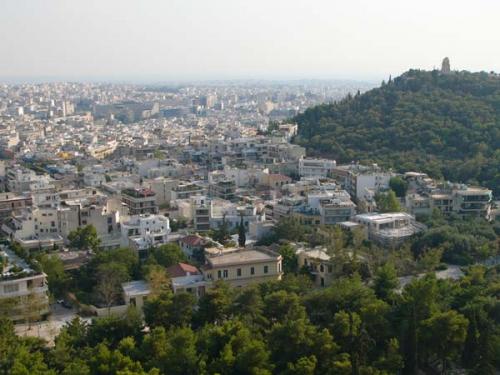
<point x="318" y="168"/>
<point x="142" y="232"/>
<point x="356" y="179"/>
<point x="21" y="180"/>
<point x="94" y="179"/>
<point x="232" y="214"/>
<point x="55" y="214"/>
<point x="34" y="228"/>
<point x="389" y="229"/>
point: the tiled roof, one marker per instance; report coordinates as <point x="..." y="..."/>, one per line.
<point x="182" y="269"/>
<point x="193" y="240"/>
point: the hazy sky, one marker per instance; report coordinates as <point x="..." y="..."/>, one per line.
<point x="225" y="39"/>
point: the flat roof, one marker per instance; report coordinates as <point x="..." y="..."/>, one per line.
<point x="135" y="288"/>
<point x="242" y="256"/>
<point x="318" y="254"/>
<point x="384" y="216"/>
<point x="349" y="224"/>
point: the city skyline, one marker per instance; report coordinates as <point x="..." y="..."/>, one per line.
<point x="189" y="40"/>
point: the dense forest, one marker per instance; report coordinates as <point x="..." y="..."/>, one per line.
<point x="447" y="125"/>
<point x="287" y="327"/>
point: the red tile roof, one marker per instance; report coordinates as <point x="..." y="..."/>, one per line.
<point x="182" y="269"/>
<point x="193" y="240"/>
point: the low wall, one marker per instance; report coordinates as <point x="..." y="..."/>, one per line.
<point x="105" y="311"/>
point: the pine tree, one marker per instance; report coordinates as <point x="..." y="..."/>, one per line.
<point x="242" y="238"/>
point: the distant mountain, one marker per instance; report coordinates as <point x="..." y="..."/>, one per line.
<point x="447" y="125"/>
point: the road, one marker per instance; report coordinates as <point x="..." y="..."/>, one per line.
<point x="49" y="328"/>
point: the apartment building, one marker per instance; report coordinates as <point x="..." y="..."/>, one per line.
<point x="201" y="211"/>
<point x="23" y="289"/>
<point x="335" y="210"/>
<point x="389" y="229"/>
<point x="284" y="207"/>
<point x="232" y="214"/>
<point x="140" y="201"/>
<point x="20" y="180"/>
<point x="34" y="228"/>
<point x="275" y="180"/>
<point x="96" y="211"/>
<point x="94" y="179"/>
<point x="100" y="151"/>
<point x="327" y="207"/>
<point x="186" y="190"/>
<point x="466" y="201"/>
<point x="241" y="267"/>
<point x="163" y="189"/>
<point x="223" y="189"/>
<point x="10" y="202"/>
<point x="356" y="178"/>
<point x="316" y="168"/>
<point x="142" y="232"/>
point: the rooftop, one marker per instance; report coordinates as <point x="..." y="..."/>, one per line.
<point x="139" y="193"/>
<point x="133" y="288"/>
<point x="386" y="217"/>
<point x="193" y="240"/>
<point x="240" y="256"/>
<point x="182" y="269"/>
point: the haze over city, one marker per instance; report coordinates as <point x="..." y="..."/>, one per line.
<point x="160" y="40"/>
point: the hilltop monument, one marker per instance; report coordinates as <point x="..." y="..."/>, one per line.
<point x="445" y="66"/>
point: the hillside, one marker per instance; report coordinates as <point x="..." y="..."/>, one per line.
<point x="447" y="125"/>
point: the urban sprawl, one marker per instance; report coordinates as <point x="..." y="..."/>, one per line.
<point x="147" y="166"/>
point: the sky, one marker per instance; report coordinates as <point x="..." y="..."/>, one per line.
<point x="172" y="40"/>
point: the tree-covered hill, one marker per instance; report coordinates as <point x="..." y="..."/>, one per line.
<point x="447" y="125"/>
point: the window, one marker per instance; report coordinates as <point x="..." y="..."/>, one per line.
<point x="252" y="271"/>
<point x="225" y="274"/>
<point x="132" y="301"/>
<point x="219" y="274"/>
<point x="321" y="268"/>
<point x="238" y="272"/>
<point x="266" y="269"/>
<point x="11" y="288"/>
